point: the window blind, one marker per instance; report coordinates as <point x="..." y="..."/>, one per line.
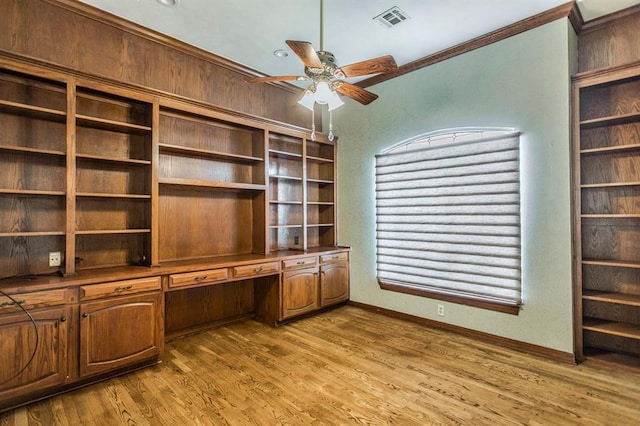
<point x="448" y="219"/>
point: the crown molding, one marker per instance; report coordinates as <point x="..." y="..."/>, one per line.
<point x="562" y="11"/>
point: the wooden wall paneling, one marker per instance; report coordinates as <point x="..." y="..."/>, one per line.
<point x="67" y="33"/>
<point x="610" y="41"/>
<point x="181" y="235"/>
<point x="22" y="255"/>
<point x="611" y="279"/>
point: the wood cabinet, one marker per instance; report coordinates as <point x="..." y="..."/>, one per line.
<point x="33" y="349"/>
<point x="233" y="211"/>
<point x="334" y="278"/>
<point x="307" y="284"/>
<point x="301" y="193"/>
<point x="607" y="194"/>
<point x="118" y="330"/>
<point x="300" y="291"/>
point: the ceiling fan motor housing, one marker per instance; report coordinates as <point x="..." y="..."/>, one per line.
<point x="328" y="69"/>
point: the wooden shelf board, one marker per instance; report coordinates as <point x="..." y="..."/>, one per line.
<point x="612" y="359"/>
<point x="609" y="184"/>
<point x="320" y="203"/>
<point x="112" y="125"/>
<point x="181" y="150"/>
<point x="212" y="185"/>
<point x="285" y="153"/>
<point x="284" y="226"/>
<point x="17" y="148"/>
<point x="609" y="216"/>
<point x="108" y="195"/>
<point x="114" y="159"/>
<point x="611" y="149"/>
<point x="319" y="225"/>
<point x="32" y="192"/>
<point x="615" y="263"/>
<point x="610" y="120"/>
<point x="320" y="181"/>
<point x="611" y="297"/>
<point x="319" y="159"/>
<point x="293" y="203"/>
<point x="631" y="331"/>
<point x="113" y="231"/>
<point x="32" y="110"/>
<point x="31" y="234"/>
<point x="283" y="177"/>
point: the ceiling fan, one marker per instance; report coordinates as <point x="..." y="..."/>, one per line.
<point x="327" y="79"/>
<point x="321" y="68"/>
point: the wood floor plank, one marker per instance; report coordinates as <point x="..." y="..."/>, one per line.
<point x="347" y="366"/>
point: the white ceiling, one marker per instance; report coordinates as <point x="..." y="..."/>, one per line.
<point x="248" y="31"/>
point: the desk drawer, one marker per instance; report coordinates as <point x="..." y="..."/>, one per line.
<point x="37" y="299"/>
<point x="334" y="257"/>
<point x="296" y="263"/>
<point x="197" y="278"/>
<point x="119" y="288"/>
<point x="255" y="270"/>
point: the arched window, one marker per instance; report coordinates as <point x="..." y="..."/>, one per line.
<point x="448" y="217"/>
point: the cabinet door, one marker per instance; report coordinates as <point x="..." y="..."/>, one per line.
<point x="299" y="292"/>
<point x="120" y="331"/>
<point x="334" y="282"/>
<point x="17" y="341"/>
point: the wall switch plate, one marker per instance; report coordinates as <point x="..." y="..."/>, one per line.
<point x="440" y="309"/>
<point x="54" y="258"/>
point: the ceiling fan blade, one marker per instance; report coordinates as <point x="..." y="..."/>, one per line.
<point x="276" y="78"/>
<point x="356" y="93"/>
<point x="372" y="66"/>
<point x="305" y="51"/>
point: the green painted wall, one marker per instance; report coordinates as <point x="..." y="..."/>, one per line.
<point x="522" y="82"/>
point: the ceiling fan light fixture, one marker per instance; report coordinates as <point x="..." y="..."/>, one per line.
<point x="323" y="93"/>
<point x="307" y="100"/>
<point x="334" y="101"/>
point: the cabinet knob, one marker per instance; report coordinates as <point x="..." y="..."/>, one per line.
<point x="84" y="315"/>
<point x="63" y="319"/>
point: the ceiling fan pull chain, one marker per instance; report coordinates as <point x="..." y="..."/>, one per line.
<point x="313" y="124"/>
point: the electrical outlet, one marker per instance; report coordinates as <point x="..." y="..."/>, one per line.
<point x="296" y="240"/>
<point x="440" y="309"/>
<point x="54" y="258"/>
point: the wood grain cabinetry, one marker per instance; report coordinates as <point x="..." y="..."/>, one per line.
<point x="212" y="177"/>
<point x="118" y="330"/>
<point x="112" y="178"/>
<point x="33" y="113"/>
<point x="40" y="343"/>
<point x="300" y="291"/>
<point x="334" y="278"/>
<point x="607" y="154"/>
<point x="321" y="215"/>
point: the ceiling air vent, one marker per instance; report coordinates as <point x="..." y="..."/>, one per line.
<point x="392" y="17"/>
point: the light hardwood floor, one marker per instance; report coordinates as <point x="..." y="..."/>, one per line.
<point x="347" y="366"/>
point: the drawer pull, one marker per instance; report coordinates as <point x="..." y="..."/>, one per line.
<point x="17" y="303"/>
<point x="199" y="279"/>
<point x="335" y="257"/>
<point x="256" y="270"/>
<point x="84" y="315"/>
<point x="123" y="288"/>
<point x="301" y="262"/>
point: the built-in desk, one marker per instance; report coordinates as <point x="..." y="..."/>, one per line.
<point x="99" y="323"/>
